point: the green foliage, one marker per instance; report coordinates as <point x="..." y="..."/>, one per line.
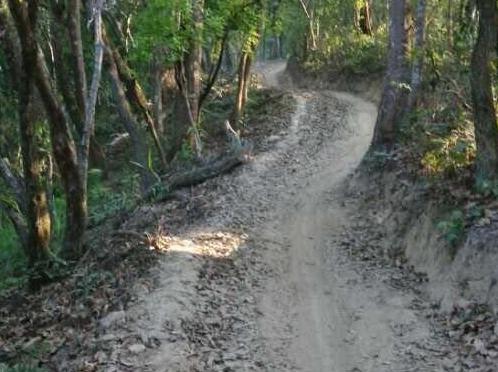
<point x="487" y="188"/>
<point x="157" y="30"/>
<point x="350" y="53"/>
<point x="453" y="227"/>
<point x="185" y="154"/>
<point x="448" y="149"/>
<point x="12" y="260"/>
<point x="106" y="200"/>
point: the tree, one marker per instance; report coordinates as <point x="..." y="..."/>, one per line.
<point x="363" y="17"/>
<point x="418" y="58"/>
<point x="485" y="125"/>
<point x="32" y="218"/>
<point x="393" y="99"/>
<point x="71" y="158"/>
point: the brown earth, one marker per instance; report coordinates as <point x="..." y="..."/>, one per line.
<point x="282" y="272"/>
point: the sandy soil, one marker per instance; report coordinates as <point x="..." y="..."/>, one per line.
<point x="265" y="282"/>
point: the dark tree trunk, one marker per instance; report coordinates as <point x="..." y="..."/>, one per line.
<point x="418" y="62"/>
<point x="364" y="18"/>
<point x="77" y="60"/>
<point x="11" y="48"/>
<point x="486" y="129"/>
<point x="394" y="95"/>
<point x="228" y="63"/>
<point x="241" y="95"/>
<point x="193" y="74"/>
<point x="213" y="76"/>
<point x="37" y="207"/>
<point x="139" y="143"/>
<point x="64" y="148"/>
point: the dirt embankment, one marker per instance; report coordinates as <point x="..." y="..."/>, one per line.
<point x="461" y="273"/>
<point x="409" y="214"/>
<point x="367" y="87"/>
<point x="405" y="214"/>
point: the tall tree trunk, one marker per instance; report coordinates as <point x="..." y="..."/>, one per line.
<point x="363" y="15"/>
<point x="77" y="60"/>
<point x="393" y="99"/>
<point x="158" y="72"/>
<point x="418" y="61"/>
<point x="139" y="143"/>
<point x="241" y="95"/>
<point x="193" y="73"/>
<point x="137" y="99"/>
<point x="37" y="212"/>
<point x="63" y="145"/>
<point x="90" y="100"/>
<point x="213" y="76"/>
<point x="10" y="47"/>
<point x="486" y="129"/>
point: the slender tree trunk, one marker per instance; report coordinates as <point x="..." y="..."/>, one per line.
<point x="10" y="46"/>
<point x="418" y="62"/>
<point x="193" y="73"/>
<point x="228" y="66"/>
<point x="91" y="99"/>
<point x="37" y="212"/>
<point x="393" y="99"/>
<point x="247" y="81"/>
<point x="78" y="61"/>
<point x="450" y="23"/>
<point x="214" y="75"/>
<point x="62" y="142"/>
<point x="311" y="38"/>
<point x="363" y="17"/>
<point x="140" y="150"/>
<point x="240" y="97"/>
<point x="157" y="84"/>
<point x="486" y="129"/>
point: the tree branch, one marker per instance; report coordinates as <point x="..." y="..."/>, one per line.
<point x="91" y="100"/>
<point x="76" y="44"/>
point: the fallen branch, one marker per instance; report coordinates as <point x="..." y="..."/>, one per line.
<point x="222" y="164"/>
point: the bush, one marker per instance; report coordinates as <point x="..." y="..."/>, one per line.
<point x="453" y="227"/>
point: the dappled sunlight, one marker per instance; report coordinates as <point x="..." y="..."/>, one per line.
<point x="215" y="244"/>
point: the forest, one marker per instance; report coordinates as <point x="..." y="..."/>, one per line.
<point x="214" y="185"/>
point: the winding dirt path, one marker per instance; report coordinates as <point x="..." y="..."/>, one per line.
<point x="338" y="319"/>
<point x="280" y="292"/>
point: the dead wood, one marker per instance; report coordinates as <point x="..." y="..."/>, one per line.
<point x="222" y="164"/>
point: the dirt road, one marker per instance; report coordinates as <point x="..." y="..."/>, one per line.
<point x="265" y="282"/>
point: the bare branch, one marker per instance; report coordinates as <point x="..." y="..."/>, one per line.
<point x="305" y="9"/>
<point x="91" y="100"/>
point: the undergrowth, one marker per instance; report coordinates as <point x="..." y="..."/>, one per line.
<point x="353" y="54"/>
<point x="104" y="201"/>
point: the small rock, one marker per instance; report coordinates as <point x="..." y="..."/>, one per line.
<point x="113" y="318"/>
<point x="108" y="337"/>
<point x="136" y="348"/>
<point x="100" y="357"/>
<point x="496" y="329"/>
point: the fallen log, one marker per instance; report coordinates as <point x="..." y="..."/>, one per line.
<point x="224" y="163"/>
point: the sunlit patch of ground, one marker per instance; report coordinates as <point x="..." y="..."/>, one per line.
<point x="216" y="244"/>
